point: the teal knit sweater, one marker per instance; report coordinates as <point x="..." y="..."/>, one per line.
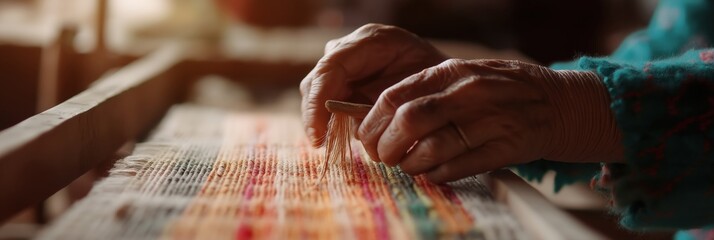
<point x="661" y="82"/>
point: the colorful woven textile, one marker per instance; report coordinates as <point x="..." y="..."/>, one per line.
<point x="210" y="174"/>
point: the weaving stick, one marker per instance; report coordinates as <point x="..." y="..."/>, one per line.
<point x="355" y="110"/>
<point x="338" y="147"/>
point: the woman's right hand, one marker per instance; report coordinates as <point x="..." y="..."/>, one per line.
<point x="358" y="67"/>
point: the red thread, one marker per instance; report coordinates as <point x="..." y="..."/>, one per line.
<point x="244" y="232"/>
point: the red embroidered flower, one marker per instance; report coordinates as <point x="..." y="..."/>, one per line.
<point x="707" y="56"/>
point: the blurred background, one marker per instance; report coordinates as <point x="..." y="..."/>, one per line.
<point x="51" y="50"/>
<point x="102" y="31"/>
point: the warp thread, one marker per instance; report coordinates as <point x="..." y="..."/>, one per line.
<point x="207" y="174"/>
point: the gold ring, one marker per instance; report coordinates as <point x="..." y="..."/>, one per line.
<point x="462" y="135"/>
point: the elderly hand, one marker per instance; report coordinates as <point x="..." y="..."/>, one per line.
<point x="463" y="117"/>
<point x="358" y="67"/>
<point x="456" y="118"/>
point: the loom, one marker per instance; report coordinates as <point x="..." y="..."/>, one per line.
<point x="200" y="172"/>
<point x="210" y="173"/>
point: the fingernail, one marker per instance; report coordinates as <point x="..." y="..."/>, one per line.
<point x="373" y="157"/>
<point x="357" y="136"/>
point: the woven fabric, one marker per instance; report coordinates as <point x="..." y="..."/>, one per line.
<point x="208" y="174"/>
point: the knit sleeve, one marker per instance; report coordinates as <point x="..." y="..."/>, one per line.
<point x="676" y="27"/>
<point x="665" y="110"/>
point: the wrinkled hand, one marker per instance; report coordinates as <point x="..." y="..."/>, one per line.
<point x="460" y="117"/>
<point x="464" y="117"/>
<point x="358" y="67"/>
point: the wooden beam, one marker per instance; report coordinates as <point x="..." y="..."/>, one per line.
<point x="247" y="72"/>
<point x="46" y="152"/>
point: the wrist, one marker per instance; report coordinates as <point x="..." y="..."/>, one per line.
<point x="584" y="129"/>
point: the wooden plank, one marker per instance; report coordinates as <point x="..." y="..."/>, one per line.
<point x="19" y="67"/>
<point x="539" y="216"/>
<point x="251" y="73"/>
<point x="65" y="73"/>
<point x="54" y="69"/>
<point x="100" y="30"/>
<point x="46" y="152"/>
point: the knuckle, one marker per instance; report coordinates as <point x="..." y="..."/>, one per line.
<point x="403" y="117"/>
<point x="391" y="97"/>
<point x="452" y="62"/>
<point x="511" y="66"/>
<point x="337" y="47"/>
<point x="413" y="112"/>
<point x="331" y="45"/>
<point x="493" y="62"/>
<point x="429" y="151"/>
<point x="430" y="146"/>
<point x="387" y="30"/>
<point x="418" y="109"/>
<point x="518" y="63"/>
<point x="453" y="68"/>
<point x="374" y="31"/>
<point x="401" y="124"/>
<point x="427" y="74"/>
<point x="372" y="27"/>
<point x="325" y="65"/>
<point x="305" y="86"/>
<point x="322" y="65"/>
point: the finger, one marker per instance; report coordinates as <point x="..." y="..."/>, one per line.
<point x="470" y="99"/>
<point x="434" y="149"/>
<point x="487" y="158"/>
<point x="327" y="84"/>
<point x="367" y="50"/>
<point x="412" y="121"/>
<point x="347" y="61"/>
<point x="354" y="123"/>
<point x="509" y="68"/>
<point x="429" y="81"/>
<point x="447" y="143"/>
<point x="426" y="82"/>
<point x="332" y="44"/>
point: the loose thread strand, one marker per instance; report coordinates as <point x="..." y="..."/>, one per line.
<point x="337" y="143"/>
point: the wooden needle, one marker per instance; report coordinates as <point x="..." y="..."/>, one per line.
<point x="355" y="110"/>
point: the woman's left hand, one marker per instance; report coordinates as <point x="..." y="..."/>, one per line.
<point x="464" y="117"/>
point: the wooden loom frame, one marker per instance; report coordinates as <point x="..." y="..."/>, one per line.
<point x="46" y="152"/>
